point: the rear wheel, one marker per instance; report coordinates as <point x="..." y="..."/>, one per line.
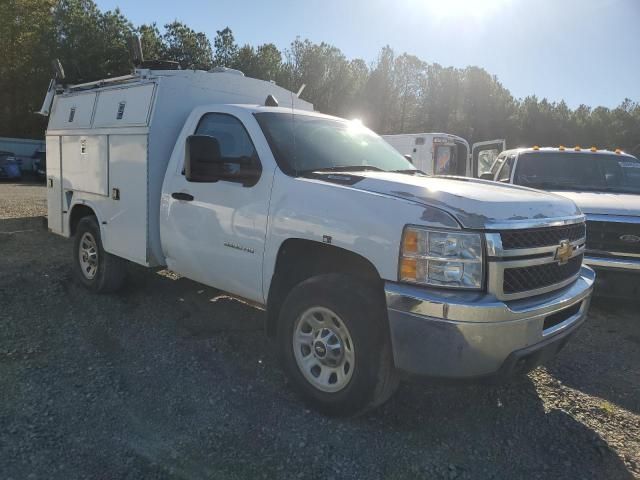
<point x="96" y="269"/>
<point x="334" y="344"/>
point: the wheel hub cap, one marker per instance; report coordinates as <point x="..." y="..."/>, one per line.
<point x="323" y="349"/>
<point x="88" y="255"/>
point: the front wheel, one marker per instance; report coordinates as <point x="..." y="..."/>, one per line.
<point x="96" y="269"/>
<point x="334" y="344"/>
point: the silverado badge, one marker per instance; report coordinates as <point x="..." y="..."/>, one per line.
<point x="564" y="252"/>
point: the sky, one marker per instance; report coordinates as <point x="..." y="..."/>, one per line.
<point x="582" y="51"/>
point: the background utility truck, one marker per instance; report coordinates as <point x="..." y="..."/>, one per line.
<point x="367" y="268"/>
<point x="446" y="154"/>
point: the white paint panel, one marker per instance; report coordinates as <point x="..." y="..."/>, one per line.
<point x="54" y="188"/>
<point x="82" y="105"/>
<point x="125" y="233"/>
<point x="84" y="163"/>
<point x="133" y="103"/>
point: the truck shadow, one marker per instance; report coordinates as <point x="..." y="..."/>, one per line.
<point x="604" y="360"/>
<point x="497" y="432"/>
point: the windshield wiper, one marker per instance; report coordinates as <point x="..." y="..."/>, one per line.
<point x="341" y="168"/>
<point x="549" y="186"/>
<point x="607" y="189"/>
<point x="409" y="171"/>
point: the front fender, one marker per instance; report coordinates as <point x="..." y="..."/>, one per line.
<point x="368" y="224"/>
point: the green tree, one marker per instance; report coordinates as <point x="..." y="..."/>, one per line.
<point x="323" y="69"/>
<point x="191" y="49"/>
<point x="409" y="72"/>
<point x="397" y="93"/>
<point x="153" y="47"/>
<point x="226" y="48"/>
<point x="264" y="63"/>
<point x="26" y="37"/>
<point x="379" y="92"/>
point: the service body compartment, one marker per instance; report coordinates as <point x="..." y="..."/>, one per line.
<point x="72" y="111"/>
<point x="125" y="231"/>
<point x="54" y="185"/>
<point x="85" y="164"/>
<point x="124" y="107"/>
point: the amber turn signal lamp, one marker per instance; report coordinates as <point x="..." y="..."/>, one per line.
<point x="410" y="242"/>
<point x="408" y="270"/>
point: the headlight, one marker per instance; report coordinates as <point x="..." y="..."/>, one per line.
<point x="441" y="258"/>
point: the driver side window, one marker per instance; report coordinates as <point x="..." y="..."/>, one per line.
<point x="232" y="137"/>
<point x="505" y="172"/>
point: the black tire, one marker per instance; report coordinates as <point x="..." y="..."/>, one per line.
<point x="361" y="308"/>
<point x="111" y="271"/>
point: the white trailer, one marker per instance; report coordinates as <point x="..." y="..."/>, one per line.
<point x="446" y="154"/>
<point x="109" y="143"/>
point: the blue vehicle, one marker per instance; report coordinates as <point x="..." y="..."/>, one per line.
<point x="9" y="167"/>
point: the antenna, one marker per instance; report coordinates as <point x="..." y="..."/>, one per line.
<point x="58" y="71"/>
<point x="135" y="50"/>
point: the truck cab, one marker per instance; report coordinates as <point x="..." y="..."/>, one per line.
<point x="368" y="268"/>
<point x="447" y="154"/>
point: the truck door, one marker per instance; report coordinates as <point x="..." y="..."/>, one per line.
<point x="484" y="155"/>
<point x="445" y="157"/>
<point x="214" y="232"/>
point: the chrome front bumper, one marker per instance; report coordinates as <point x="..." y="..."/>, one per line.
<point x="626" y="264"/>
<point x="454" y="334"/>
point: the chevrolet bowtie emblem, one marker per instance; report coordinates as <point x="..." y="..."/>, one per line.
<point x="564" y="252"/>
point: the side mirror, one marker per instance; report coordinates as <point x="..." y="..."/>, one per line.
<point x="486" y="176"/>
<point x="408" y="157"/>
<point x="204" y="163"/>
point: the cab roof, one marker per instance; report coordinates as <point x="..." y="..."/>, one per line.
<point x="561" y="149"/>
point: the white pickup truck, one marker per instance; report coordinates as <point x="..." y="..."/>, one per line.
<point x="367" y="267"/>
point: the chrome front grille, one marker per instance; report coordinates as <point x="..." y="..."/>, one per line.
<point x="542" y="237"/>
<point x="521" y="279"/>
<point x="613" y="238"/>
<point x="532" y="261"/>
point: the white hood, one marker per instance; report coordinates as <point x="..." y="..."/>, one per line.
<point x="605" y="203"/>
<point x="474" y="203"/>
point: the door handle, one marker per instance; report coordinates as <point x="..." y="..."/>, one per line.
<point x="187" y="197"/>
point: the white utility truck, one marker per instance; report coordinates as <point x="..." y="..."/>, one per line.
<point x="446" y="154"/>
<point x="367" y="267"/>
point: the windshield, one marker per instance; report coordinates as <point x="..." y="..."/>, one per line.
<point x="578" y="171"/>
<point x="305" y="143"/>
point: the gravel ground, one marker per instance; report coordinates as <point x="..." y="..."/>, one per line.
<point x="172" y="380"/>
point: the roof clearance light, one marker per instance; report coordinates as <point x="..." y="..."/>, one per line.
<point x="561" y="148"/>
<point x="593" y="149"/>
<point x="577" y="148"/>
<point x="618" y="151"/>
<point x="536" y="147"/>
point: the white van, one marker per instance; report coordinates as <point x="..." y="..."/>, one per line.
<point x="446" y="154"/>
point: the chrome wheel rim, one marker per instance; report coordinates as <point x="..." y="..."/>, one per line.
<point x="323" y="349"/>
<point x="88" y="255"/>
